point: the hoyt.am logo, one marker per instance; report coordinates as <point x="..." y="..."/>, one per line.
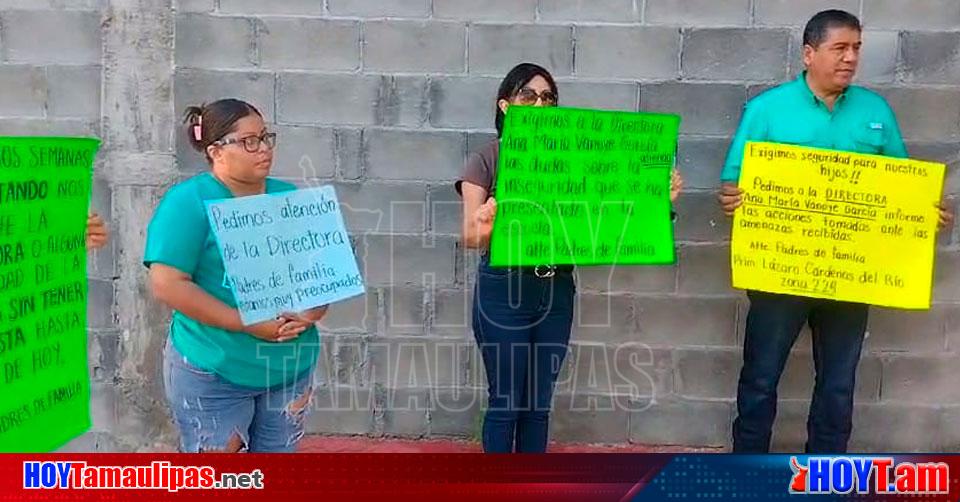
<point x="877" y="475"/>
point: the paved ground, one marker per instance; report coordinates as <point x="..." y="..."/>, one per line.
<point x="360" y="444"/>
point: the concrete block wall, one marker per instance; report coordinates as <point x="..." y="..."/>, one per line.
<point x="384" y="99"/>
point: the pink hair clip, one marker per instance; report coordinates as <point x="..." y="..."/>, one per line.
<point x="198" y="129"/>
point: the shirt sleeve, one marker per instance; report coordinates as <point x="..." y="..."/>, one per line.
<point x="894" y="145"/>
<point x="752" y="128"/>
<point x="476" y="171"/>
<point x="177" y="232"/>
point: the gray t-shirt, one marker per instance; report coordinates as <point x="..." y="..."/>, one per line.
<point x="481" y="168"/>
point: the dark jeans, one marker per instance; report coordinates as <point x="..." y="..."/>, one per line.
<point x="773" y="324"/>
<point x="522" y="326"/>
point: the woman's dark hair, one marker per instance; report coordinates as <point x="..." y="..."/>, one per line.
<point x="207" y="124"/>
<point x="518" y="77"/>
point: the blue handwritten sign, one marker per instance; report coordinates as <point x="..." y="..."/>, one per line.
<point x="285" y="252"/>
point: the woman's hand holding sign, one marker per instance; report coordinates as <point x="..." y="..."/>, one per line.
<point x="676" y="185"/>
<point x="484" y="218"/>
<point x="293" y="324"/>
<point x="731" y="197"/>
<point x="278" y="330"/>
<point x="97" y="233"/>
<point x="287" y="326"/>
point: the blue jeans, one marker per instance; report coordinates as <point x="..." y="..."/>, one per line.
<point x="773" y="324"/>
<point x="212" y="413"/>
<point x="522" y="326"/>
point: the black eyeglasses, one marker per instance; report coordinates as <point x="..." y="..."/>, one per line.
<point x="528" y="96"/>
<point x="252" y="143"/>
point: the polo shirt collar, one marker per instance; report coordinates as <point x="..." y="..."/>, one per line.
<point x="802" y="82"/>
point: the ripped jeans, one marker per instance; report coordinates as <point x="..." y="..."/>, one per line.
<point x="213" y="414"/>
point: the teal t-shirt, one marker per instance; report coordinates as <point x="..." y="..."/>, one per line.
<point x="861" y="122"/>
<point x="179" y="236"/>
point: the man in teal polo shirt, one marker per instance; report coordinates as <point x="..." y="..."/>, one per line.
<point x="819" y="109"/>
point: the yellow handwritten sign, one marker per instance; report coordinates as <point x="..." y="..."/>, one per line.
<point x="837" y="225"/>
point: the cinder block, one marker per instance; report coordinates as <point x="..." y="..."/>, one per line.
<point x="703" y="108"/>
<point x="341" y="410"/>
<point x="179" y="6"/>
<point x="382" y="8"/>
<point x="404" y="310"/>
<point x="615" y="11"/>
<point x="908" y="331"/>
<point x="599" y="95"/>
<point x="355" y="315"/>
<point x="793" y="13"/>
<point x="73" y="91"/>
<point x="490" y="10"/>
<point x="636" y="53"/>
<point x="919" y="379"/>
<point x="916" y="428"/>
<point x="25" y="91"/>
<point x="413" y="260"/>
<point x="705" y="270"/>
<point x="51" y="36"/>
<point x="205" y="41"/>
<point x="309" y="44"/>
<point x="403" y="102"/>
<point x="593" y="418"/>
<point x="197" y="87"/>
<point x="305" y="154"/>
<point x="414" y="46"/>
<point x="604" y="318"/>
<point x="928" y="114"/>
<point x="931" y="58"/>
<point x="628" y="279"/>
<point x="631" y="371"/>
<point x="548" y="46"/>
<point x="736" y="54"/>
<point x="457" y="411"/>
<point x="878" y="57"/>
<point x="417" y="362"/>
<point x="698" y="12"/>
<point x="711" y="374"/>
<point x="334" y="99"/>
<point x="255" y="7"/>
<point x="460" y="102"/>
<point x="405" y="412"/>
<point x="700" y="219"/>
<point x="350" y="154"/>
<point x="682" y="423"/>
<point x="700" y="161"/>
<point x="446" y="210"/>
<point x="51" y="4"/>
<point x="413" y="155"/>
<point x="383" y="208"/>
<point x="921" y="15"/>
<point x="100" y="304"/>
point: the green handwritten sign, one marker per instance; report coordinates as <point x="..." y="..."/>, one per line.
<point x="44" y="195"/>
<point x="584" y="187"/>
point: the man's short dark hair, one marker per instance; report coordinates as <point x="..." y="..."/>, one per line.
<point x="818" y="26"/>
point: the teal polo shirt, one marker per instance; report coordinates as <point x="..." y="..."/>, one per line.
<point x="861" y="122"/>
<point x="179" y="236"/>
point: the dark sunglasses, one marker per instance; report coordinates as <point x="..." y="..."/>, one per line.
<point x="528" y="96"/>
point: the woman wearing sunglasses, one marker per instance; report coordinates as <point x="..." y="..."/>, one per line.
<point x="230" y="387"/>
<point x="521" y="316"/>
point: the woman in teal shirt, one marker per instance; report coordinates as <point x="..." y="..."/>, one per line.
<point x="231" y="387"/>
